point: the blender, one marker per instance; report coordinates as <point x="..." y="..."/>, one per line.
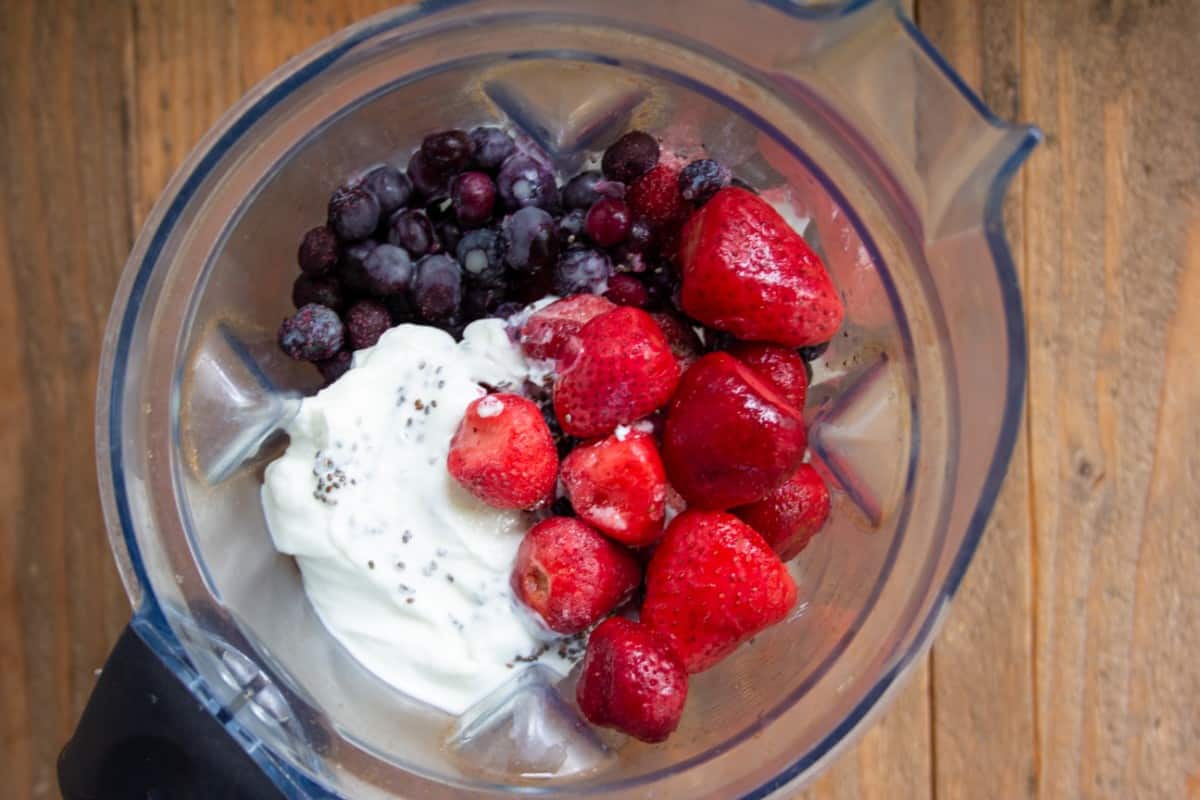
<point x="227" y="684"/>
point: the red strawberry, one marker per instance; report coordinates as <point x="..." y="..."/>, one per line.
<point x="631" y="680"/>
<point x="655" y="197"/>
<point x="503" y="452"/>
<point x="781" y="367"/>
<point x="619" y="486"/>
<point x="730" y="437"/>
<point x="746" y="272"/>
<point x="789" y="517"/>
<point x="618" y="370"/>
<point x="547" y="331"/>
<point x="570" y="575"/>
<point x="713" y="583"/>
<point x="685" y="344"/>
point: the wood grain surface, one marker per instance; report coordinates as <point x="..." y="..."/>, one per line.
<point x="1068" y="664"/>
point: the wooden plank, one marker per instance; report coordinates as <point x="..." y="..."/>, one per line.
<point x="982" y="676"/>
<point x="1113" y="300"/>
<point x="63" y="240"/>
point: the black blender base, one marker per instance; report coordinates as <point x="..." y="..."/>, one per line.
<point x="143" y="735"/>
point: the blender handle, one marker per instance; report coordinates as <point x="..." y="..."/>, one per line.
<point x="144" y="734"/>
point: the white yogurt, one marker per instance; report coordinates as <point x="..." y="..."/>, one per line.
<point x="407" y="570"/>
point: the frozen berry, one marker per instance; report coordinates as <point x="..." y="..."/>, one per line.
<point x="503" y="453"/>
<point x="655" y="197"/>
<point x="608" y="222"/>
<point x="448" y="152"/>
<point x="437" y="287"/>
<point x="701" y="179"/>
<point x="640" y="236"/>
<point x="630" y="157"/>
<point x="335" y="366"/>
<point x="352" y="266"/>
<point x="479" y="254"/>
<point x="318" y="251"/>
<point x="571" y="227"/>
<point x="323" y="290"/>
<point x="388" y="269"/>
<point x="581" y="270"/>
<point x="353" y="213"/>
<point x="626" y="290"/>
<point x="481" y="301"/>
<point x="401" y="308"/>
<point x="492" y="146"/>
<point x="523" y="181"/>
<point x="313" y="333"/>
<point x="391" y="187"/>
<point x="365" y="322"/>
<point x="530" y="240"/>
<point x="814" y="351"/>
<point x="426" y="178"/>
<point x="474" y="197"/>
<point x="412" y="230"/>
<point x="789" y="517"/>
<point x="449" y="234"/>
<point x="580" y="192"/>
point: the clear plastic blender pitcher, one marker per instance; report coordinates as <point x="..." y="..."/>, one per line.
<point x="845" y="110"/>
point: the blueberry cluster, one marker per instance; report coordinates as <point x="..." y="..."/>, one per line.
<point x="477" y="226"/>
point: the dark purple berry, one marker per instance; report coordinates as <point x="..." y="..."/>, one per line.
<point x="492" y="146"/>
<point x="580" y="191"/>
<point x="630" y="157"/>
<point x="481" y="301"/>
<point x="336" y="366"/>
<point x="449" y="152"/>
<point x="352" y="267"/>
<point x="427" y="179"/>
<point x="412" y="230"/>
<point x="401" y="308"/>
<point x="608" y="222"/>
<point x="449" y="234"/>
<point x="365" y="322"/>
<point x="571" y="227"/>
<point x="813" y="351"/>
<point x="474" y="197"/>
<point x="701" y="179"/>
<point x="640" y="236"/>
<point x="388" y="270"/>
<point x="313" y="333"/>
<point x="661" y="286"/>
<point x="582" y="270"/>
<point x="391" y="187"/>
<point x="437" y="288"/>
<point x="524" y="181"/>
<point x="318" y="251"/>
<point x="324" y="290"/>
<point x="479" y="254"/>
<point x="530" y="240"/>
<point x="626" y="290"/>
<point x="353" y="213"/>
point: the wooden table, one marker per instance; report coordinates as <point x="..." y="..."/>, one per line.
<point x="1069" y="664"/>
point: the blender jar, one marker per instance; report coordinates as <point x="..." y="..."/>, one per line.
<point x="845" y="112"/>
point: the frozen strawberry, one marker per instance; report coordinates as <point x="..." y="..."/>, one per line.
<point x="745" y="271"/>
<point x="618" y="485"/>
<point x="631" y="680"/>
<point x="568" y="574"/>
<point x="781" y="367"/>
<point x="503" y="452"/>
<point x="618" y="369"/>
<point x="790" y="516"/>
<point x="655" y="197"/>
<point x="547" y="330"/>
<point x="713" y="583"/>
<point x="730" y="437"/>
<point x="685" y="344"/>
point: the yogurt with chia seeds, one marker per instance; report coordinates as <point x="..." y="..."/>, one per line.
<point x="407" y="569"/>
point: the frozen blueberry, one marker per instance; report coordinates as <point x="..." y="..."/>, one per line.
<point x="630" y="157"/>
<point x="530" y="240"/>
<point x="448" y="152"/>
<point x="388" y="270"/>
<point x="474" y="197"/>
<point x="626" y="290"/>
<point x="608" y="222"/>
<point x="401" y="308"/>
<point x="580" y="191"/>
<point x="437" y="288"/>
<point x="481" y="301"/>
<point x="523" y="181"/>
<point x="365" y="322"/>
<point x="427" y="179"/>
<point x="581" y="270"/>
<point x="701" y="179"/>
<point x="412" y="230"/>
<point x="352" y="266"/>
<point x="324" y="290"/>
<point x="640" y="236"/>
<point x="353" y="213"/>
<point x="571" y="227"/>
<point x="449" y="234"/>
<point x="814" y="351"/>
<point x="335" y="366"/>
<point x="391" y="187"/>
<point x="479" y="254"/>
<point x="313" y="333"/>
<point x="492" y="146"/>
<point x="318" y="252"/>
